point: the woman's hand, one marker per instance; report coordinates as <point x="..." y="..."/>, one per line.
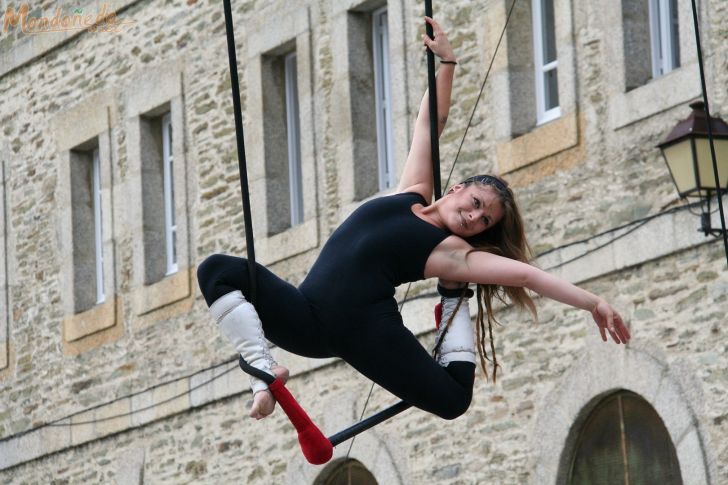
<point x="440" y="46"/>
<point x="608" y="320"/>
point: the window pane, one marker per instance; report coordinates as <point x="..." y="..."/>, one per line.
<point x="624" y="440"/>
<point x="383" y="101"/>
<point x="637" y="49"/>
<point x="174" y="246"/>
<point x="98" y="227"/>
<point x="674" y="35"/>
<point x="548" y="30"/>
<point x="169" y="134"/>
<point x="349" y="472"/>
<point x="551" y="89"/>
<point x="598" y="460"/>
<point x="169" y="205"/>
<point x="295" y="184"/>
<point x="651" y="457"/>
<point x="173" y="218"/>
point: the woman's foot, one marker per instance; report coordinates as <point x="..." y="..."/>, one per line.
<point x="263" y="401"/>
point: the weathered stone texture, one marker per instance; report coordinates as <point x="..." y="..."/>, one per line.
<point x="675" y="305"/>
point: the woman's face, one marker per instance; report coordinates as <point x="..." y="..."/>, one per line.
<point x="472" y="209"/>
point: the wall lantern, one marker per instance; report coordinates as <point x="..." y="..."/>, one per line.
<point x="687" y="153"/>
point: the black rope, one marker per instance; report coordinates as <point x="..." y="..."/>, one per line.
<point x="357" y="428"/>
<point x="432" y="84"/>
<point x="435" y="151"/>
<point x="242" y="165"/>
<point x="710" y="128"/>
<point x="57" y="422"/>
<point x="480" y="94"/>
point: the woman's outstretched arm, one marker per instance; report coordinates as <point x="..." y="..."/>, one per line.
<point x="486" y="268"/>
<point x="417" y="173"/>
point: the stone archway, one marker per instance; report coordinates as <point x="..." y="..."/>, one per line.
<point x="383" y="455"/>
<point x="668" y="388"/>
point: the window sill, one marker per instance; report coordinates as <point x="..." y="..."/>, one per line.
<point x="98" y="318"/>
<point x="544" y="141"/>
<point x="8" y="357"/>
<point x="673" y="89"/>
<point x="92" y="328"/>
<point x="289" y="243"/>
<point x="4" y="355"/>
<point x="168" y="290"/>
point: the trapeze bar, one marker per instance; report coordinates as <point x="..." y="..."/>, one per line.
<point x="370" y="422"/>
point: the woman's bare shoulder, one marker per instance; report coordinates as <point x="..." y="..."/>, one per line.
<point x="421" y="189"/>
<point x="447" y="257"/>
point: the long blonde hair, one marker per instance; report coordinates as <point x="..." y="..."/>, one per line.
<point x="507" y="238"/>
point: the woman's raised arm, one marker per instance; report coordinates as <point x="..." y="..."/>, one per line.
<point x="417" y="173"/>
<point x="486" y="268"/>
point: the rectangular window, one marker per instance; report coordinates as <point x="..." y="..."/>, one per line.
<point x="98" y="227"/>
<point x="545" y="61"/>
<point x="664" y="36"/>
<point x="383" y="100"/>
<point x="170" y="223"/>
<point x="87" y="230"/>
<point x="293" y="130"/>
<point x="158" y="195"/>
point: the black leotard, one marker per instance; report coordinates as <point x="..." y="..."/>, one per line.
<point x="381" y="245"/>
<point x="345" y="307"/>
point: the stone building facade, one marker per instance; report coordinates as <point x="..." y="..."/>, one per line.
<point x="112" y="372"/>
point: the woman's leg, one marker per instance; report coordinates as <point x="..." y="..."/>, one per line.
<point x="285" y="313"/>
<point x="385" y="351"/>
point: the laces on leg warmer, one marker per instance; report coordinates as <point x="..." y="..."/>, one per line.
<point x="458" y="343"/>
<point x="239" y="322"/>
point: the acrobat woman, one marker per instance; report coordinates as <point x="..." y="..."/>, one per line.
<point x="345" y="307"/>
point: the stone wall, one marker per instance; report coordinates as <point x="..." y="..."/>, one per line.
<point x="598" y="169"/>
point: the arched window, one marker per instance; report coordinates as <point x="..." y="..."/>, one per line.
<point x="345" y="472"/>
<point x="624" y="441"/>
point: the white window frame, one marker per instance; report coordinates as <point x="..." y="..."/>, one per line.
<point x="383" y="99"/>
<point x="663" y="41"/>
<point x="98" y="226"/>
<point x="170" y="220"/>
<point x="295" y="178"/>
<point x="542" y="114"/>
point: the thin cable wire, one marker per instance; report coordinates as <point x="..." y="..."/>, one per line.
<point x="57" y="423"/>
<point x="480" y="94"/>
<point x="618" y="228"/>
<point x="371" y="389"/>
<point x="462" y="141"/>
<point x="405" y="299"/>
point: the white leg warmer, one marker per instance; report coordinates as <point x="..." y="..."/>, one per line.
<point x="239" y="322"/>
<point x="459" y="341"/>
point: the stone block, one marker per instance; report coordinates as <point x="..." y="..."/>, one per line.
<point x="20" y="449"/>
<point x="142" y="406"/>
<point x="130" y="469"/>
<point x="82" y="427"/>
<point x="55" y="438"/>
<point x="153" y="87"/>
<point x="113" y="417"/>
<point x="693" y="464"/>
<point x="171" y="398"/>
<point x="202" y="386"/>
<point x="83" y="121"/>
<point x="3" y="355"/>
<point x="671" y="405"/>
